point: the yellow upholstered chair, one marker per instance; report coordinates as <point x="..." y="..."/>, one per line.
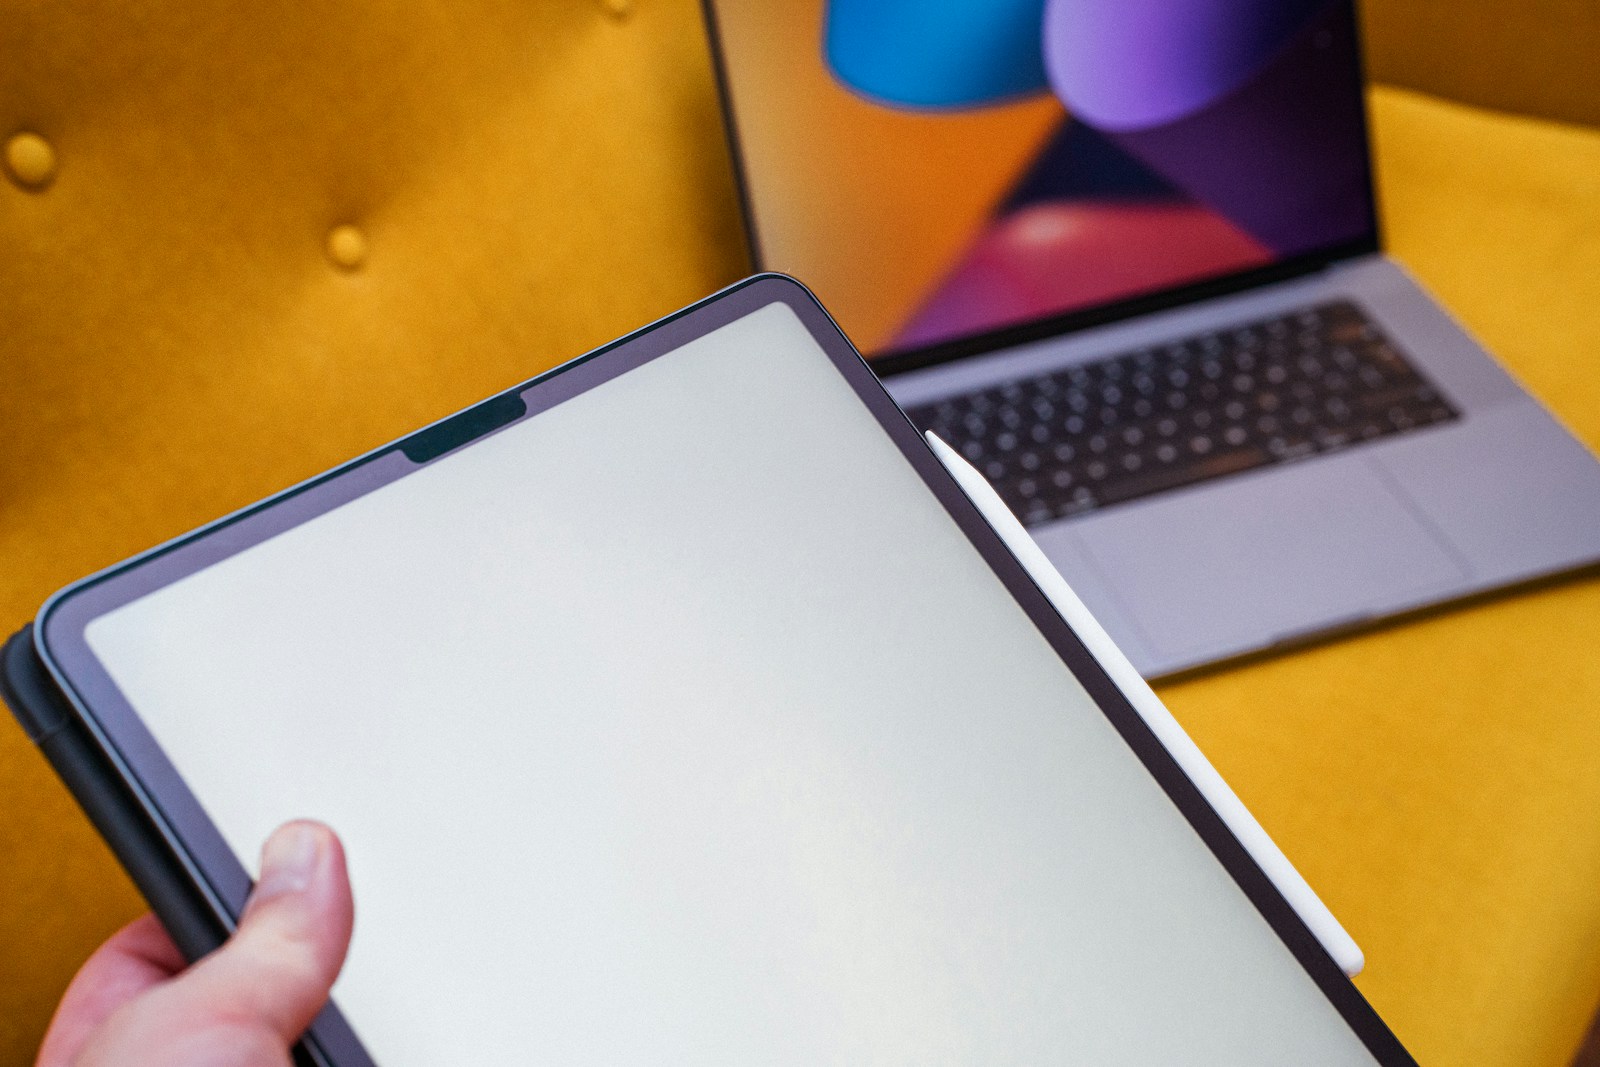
<point x="239" y="243"/>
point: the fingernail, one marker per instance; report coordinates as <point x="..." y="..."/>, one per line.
<point x="288" y="861"/>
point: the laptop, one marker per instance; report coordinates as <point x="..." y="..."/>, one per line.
<point x="1125" y="259"/>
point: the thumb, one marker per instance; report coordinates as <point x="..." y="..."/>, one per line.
<point x="276" y="970"/>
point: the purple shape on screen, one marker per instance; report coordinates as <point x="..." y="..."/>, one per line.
<point x="1284" y="155"/>
<point x="1133" y="64"/>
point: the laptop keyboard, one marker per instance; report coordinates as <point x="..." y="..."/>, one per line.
<point x="1312" y="381"/>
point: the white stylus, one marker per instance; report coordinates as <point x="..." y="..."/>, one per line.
<point x="1312" y="911"/>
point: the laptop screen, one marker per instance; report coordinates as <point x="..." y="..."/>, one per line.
<point x="938" y="172"/>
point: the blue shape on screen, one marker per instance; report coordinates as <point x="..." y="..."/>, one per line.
<point x="937" y="53"/>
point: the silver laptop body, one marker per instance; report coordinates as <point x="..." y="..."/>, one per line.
<point x="1286" y="553"/>
<point x="1465" y="484"/>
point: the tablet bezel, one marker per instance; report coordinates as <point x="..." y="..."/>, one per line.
<point x="177" y="815"/>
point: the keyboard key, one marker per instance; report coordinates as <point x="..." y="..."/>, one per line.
<point x="1154" y="419"/>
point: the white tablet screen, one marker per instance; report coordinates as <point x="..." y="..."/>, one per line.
<point x="681" y="724"/>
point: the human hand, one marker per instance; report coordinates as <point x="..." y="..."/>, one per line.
<point x="136" y="1004"/>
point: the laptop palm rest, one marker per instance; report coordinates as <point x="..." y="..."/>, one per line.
<point x="1259" y="559"/>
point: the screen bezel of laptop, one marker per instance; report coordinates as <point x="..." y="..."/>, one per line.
<point x="896" y="361"/>
<point x="116" y="727"/>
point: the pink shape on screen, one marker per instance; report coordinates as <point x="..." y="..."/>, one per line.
<point x="1053" y="257"/>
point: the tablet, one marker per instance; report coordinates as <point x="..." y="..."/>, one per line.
<point x="679" y="706"/>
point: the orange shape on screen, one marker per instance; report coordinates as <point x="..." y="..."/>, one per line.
<point x="868" y="205"/>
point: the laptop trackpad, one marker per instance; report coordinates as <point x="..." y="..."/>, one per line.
<point x="1250" y="561"/>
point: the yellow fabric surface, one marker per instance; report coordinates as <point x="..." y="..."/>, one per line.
<point x="1438" y="782"/>
<point x="184" y="332"/>
<point x="531" y="179"/>
<point x="1539" y="57"/>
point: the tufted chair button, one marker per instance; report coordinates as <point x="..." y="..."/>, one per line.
<point x="30" y="160"/>
<point x="618" y="9"/>
<point x="347" y="247"/>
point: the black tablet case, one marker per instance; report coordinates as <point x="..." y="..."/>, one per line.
<point x="110" y="804"/>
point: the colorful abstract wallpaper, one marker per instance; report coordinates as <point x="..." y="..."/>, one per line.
<point x="937" y="169"/>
